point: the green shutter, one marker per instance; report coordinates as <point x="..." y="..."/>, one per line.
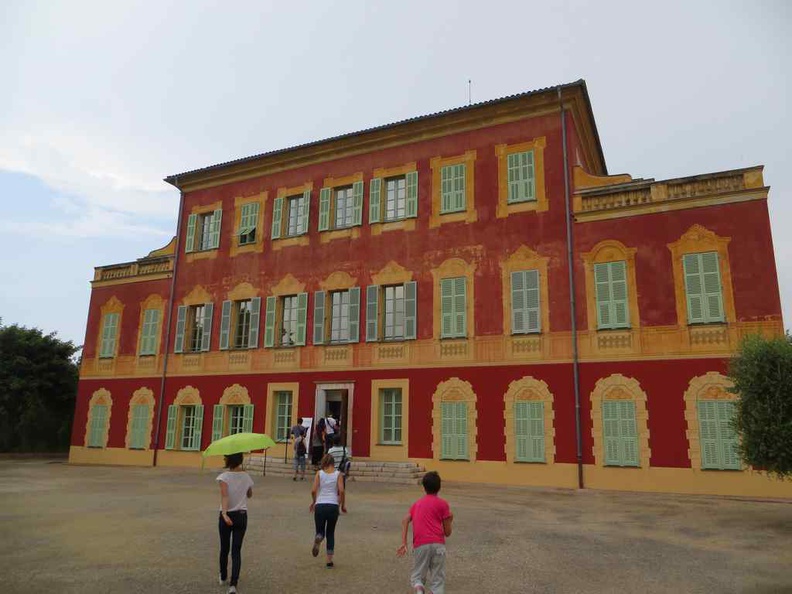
<point x="375" y="200"/>
<point x="225" y="325"/>
<point x="372" y="313"/>
<point x="325" y="195"/>
<point x="207" y="327"/>
<point x="522" y="433"/>
<point x="255" y="321"/>
<point x="306" y="211"/>
<point x="354" y="314"/>
<point x="140" y="419"/>
<point x="447" y="307"/>
<point x="302" y="316"/>
<point x="96" y="433"/>
<point x="708" y="434"/>
<point x="536" y="426"/>
<point x="318" y="318"/>
<point x="148" y="337"/>
<point x="357" y="192"/>
<point x="181" y="322"/>
<point x="694" y="289"/>
<point x="532" y="301"/>
<point x="214" y="232"/>
<point x="513" y="168"/>
<point x="277" y="218"/>
<point x="195" y="443"/>
<point x="412" y="194"/>
<point x="610" y="279"/>
<point x="189" y="240"/>
<point x="109" y="333"/>
<point x="610" y="432"/>
<point x="461" y="431"/>
<point x="460" y="307"/>
<point x="519" y="309"/>
<point x="521" y="180"/>
<point x="218" y="421"/>
<point x="446" y="189"/>
<point x="269" y="322"/>
<point x="247" y="418"/>
<point x="410" y="310"/>
<point x="602" y="291"/>
<point x="628" y="433"/>
<point x="728" y="440"/>
<point x="448" y="441"/>
<point x="458" y="185"/>
<point x="170" y="432"/>
<point x="711" y="281"/>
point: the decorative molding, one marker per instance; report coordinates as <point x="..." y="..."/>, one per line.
<point x="338" y="281"/>
<point x="468" y="215"/>
<point x="454" y="390"/>
<point x="197" y="296"/>
<point x="540" y="204"/>
<point x="141" y="396"/>
<point x="235" y="395"/>
<point x="347" y="180"/>
<point x="102" y="397"/>
<point x="452" y="268"/>
<point x="524" y="258"/>
<point x="710" y="386"/>
<point x="529" y="388"/>
<point x="288" y="285"/>
<point x="242" y="292"/>
<point x="188" y="396"/>
<point x="284" y="192"/>
<point x="610" y="250"/>
<point x="392" y="274"/>
<point x="394" y="171"/>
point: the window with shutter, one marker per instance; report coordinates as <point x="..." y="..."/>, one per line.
<point x="296" y="215"/>
<point x="520" y="172"/>
<point x="526" y="315"/>
<point x="452" y="189"/>
<point x="98" y="428"/>
<point x="236" y="416"/>
<point x="620" y="438"/>
<point x="610" y="280"/>
<point x="703" y="288"/>
<point x="149" y="332"/>
<point x="109" y="335"/>
<point x="248" y="221"/>
<point x="529" y="431"/>
<point x="454" y="439"/>
<point x="719" y="442"/>
<point x="140" y="424"/>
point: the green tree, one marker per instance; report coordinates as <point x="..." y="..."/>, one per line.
<point x="38" y="388"/>
<point x="762" y="376"/>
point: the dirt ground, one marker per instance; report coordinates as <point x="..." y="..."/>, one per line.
<point x="100" y="529"/>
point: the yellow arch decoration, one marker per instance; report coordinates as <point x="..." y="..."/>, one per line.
<point x="140" y="396"/>
<point x="619" y="387"/>
<point x="100" y="396"/>
<point x="610" y="250"/>
<point x="187" y="396"/>
<point x="529" y="388"/>
<point x="710" y="386"/>
<point x="235" y="394"/>
<point x="454" y="390"/>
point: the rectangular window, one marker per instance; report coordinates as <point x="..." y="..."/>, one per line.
<point x="391" y="416"/>
<point x="620" y="439"/>
<point x="289" y="313"/>
<point x="718" y="439"/>
<point x="189" y="416"/>
<point x="522" y="185"/>
<point x="195" y="328"/>
<point x="453" y="299"/>
<point x="295" y="217"/>
<point x="140" y="421"/>
<point x="452" y="188"/>
<point x="248" y="221"/>
<point x="529" y="431"/>
<point x="242" y="316"/>
<point x="396" y="198"/>
<point x="525" y="302"/>
<point x="283" y="414"/>
<point x="703" y="288"/>
<point x="148" y="334"/>
<point x="339" y="321"/>
<point x="236" y="419"/>
<point x="344" y="208"/>
<point x="613" y="309"/>
<point x="107" y="349"/>
<point x="394" y="313"/>
<point x="208" y="231"/>
<point x="98" y="430"/>
<point x="454" y="431"/>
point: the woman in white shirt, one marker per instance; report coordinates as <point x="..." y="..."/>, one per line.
<point x="327" y="495"/>
<point x="236" y="487"/>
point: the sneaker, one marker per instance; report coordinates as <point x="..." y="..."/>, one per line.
<point x="232" y="590"/>
<point x="315" y="549"/>
<point x="329" y="565"/>
<point x="220" y="580"/>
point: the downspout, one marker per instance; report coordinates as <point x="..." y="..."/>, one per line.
<point x="572" y="301"/>
<point x="168" y="324"/>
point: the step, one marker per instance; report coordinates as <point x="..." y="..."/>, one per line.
<point x="405" y="473"/>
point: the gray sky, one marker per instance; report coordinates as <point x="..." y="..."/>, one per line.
<point x="101" y="100"/>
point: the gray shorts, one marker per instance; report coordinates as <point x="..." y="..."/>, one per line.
<point x="429" y="568"/>
<point x="298" y="461"/>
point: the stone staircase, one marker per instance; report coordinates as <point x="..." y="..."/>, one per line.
<point x="400" y="473"/>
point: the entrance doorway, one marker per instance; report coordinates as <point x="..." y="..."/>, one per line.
<point x="336" y="399"/>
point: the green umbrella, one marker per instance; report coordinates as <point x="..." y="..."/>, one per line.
<point x="239" y="443"/>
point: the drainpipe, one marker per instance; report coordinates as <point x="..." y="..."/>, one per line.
<point x="168" y="325"/>
<point x="572" y="302"/>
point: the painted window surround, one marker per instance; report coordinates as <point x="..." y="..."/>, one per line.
<point x="141" y="396"/>
<point x="261" y="232"/>
<point x="151" y="302"/>
<point x="452" y="268"/>
<point x="100" y="397"/>
<point x="392" y="273"/>
<point x="611" y="250"/>
<point x="352" y="232"/>
<point x="111" y="306"/>
<point x="243" y="291"/>
<point x="524" y="258"/>
<point x="504" y="209"/>
<point x="454" y="390"/>
<point x="531" y="389"/>
<point x="285" y="287"/>
<point x="379" y="451"/>
<point x="209" y="254"/>
<point x="271" y="412"/>
<point x="302" y="239"/>
<point x="406" y="224"/>
<point x="469" y="215"/>
<point x="186" y="396"/>
<point x="618" y="387"/>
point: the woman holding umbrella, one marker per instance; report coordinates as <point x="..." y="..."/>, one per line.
<point x="236" y="487"/>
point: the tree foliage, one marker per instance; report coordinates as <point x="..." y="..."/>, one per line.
<point x="762" y="376"/>
<point x="38" y="388"/>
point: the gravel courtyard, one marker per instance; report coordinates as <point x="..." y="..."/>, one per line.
<point x="100" y="529"/>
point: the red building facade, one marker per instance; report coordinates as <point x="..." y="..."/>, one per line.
<point x="414" y="279"/>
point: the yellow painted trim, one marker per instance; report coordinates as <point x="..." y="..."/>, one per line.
<point x="338" y="281"/>
<point x="618" y="387"/>
<point x="284" y="192"/>
<point x="406" y="224"/>
<point x="235" y="395"/>
<point x="271" y="414"/>
<point x="197" y="296"/>
<point x="694" y="240"/>
<point x="524" y="258"/>
<point x="287" y="241"/>
<point x="166" y="250"/>
<point x="211" y="254"/>
<point x="392" y="273"/>
<point x="288" y="285"/>
<point x="345" y="233"/>
<point x="401" y="225"/>
<point x="528" y="388"/>
<point x="242" y="292"/>
<point x="110" y="456"/>
<point x="153" y="301"/>
<point x="188" y="396"/>
<point x="453" y="268"/>
<point x="131" y="280"/>
<point x="469" y="215"/>
<point x="101" y="397"/>
<point x="284" y="242"/>
<point x="540" y="204"/>
<point x="347" y="180"/>
<point x="258" y="245"/>
<point x="710" y="386"/>
<point x="454" y="390"/>
<point x="146" y="397"/>
<point x="395" y="171"/>
<point x="378" y="451"/>
<point x="186" y="459"/>
<point x="582" y="179"/>
<point x="611" y="250"/>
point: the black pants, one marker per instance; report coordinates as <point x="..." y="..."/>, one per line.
<point x="239" y="519"/>
<point x="325" y="518"/>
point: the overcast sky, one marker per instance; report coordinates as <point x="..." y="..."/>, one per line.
<point x="101" y="100"/>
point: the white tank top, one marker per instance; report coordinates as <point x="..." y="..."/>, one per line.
<point x="328" y="487"/>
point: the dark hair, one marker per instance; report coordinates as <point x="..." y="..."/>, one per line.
<point x="431" y="483"/>
<point x="299" y="420"/>
<point x="337" y="440"/>
<point x="232" y="460"/>
<point x="327" y="460"/>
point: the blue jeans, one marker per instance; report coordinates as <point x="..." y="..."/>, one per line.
<point x="237" y="531"/>
<point x="325" y="518"/>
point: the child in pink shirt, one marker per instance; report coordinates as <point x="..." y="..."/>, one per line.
<point x="431" y="519"/>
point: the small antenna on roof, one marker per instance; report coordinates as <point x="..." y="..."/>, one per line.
<point x="470" y="96"/>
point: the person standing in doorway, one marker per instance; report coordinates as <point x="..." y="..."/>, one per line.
<point x="236" y="487"/>
<point x="327" y="495"/>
